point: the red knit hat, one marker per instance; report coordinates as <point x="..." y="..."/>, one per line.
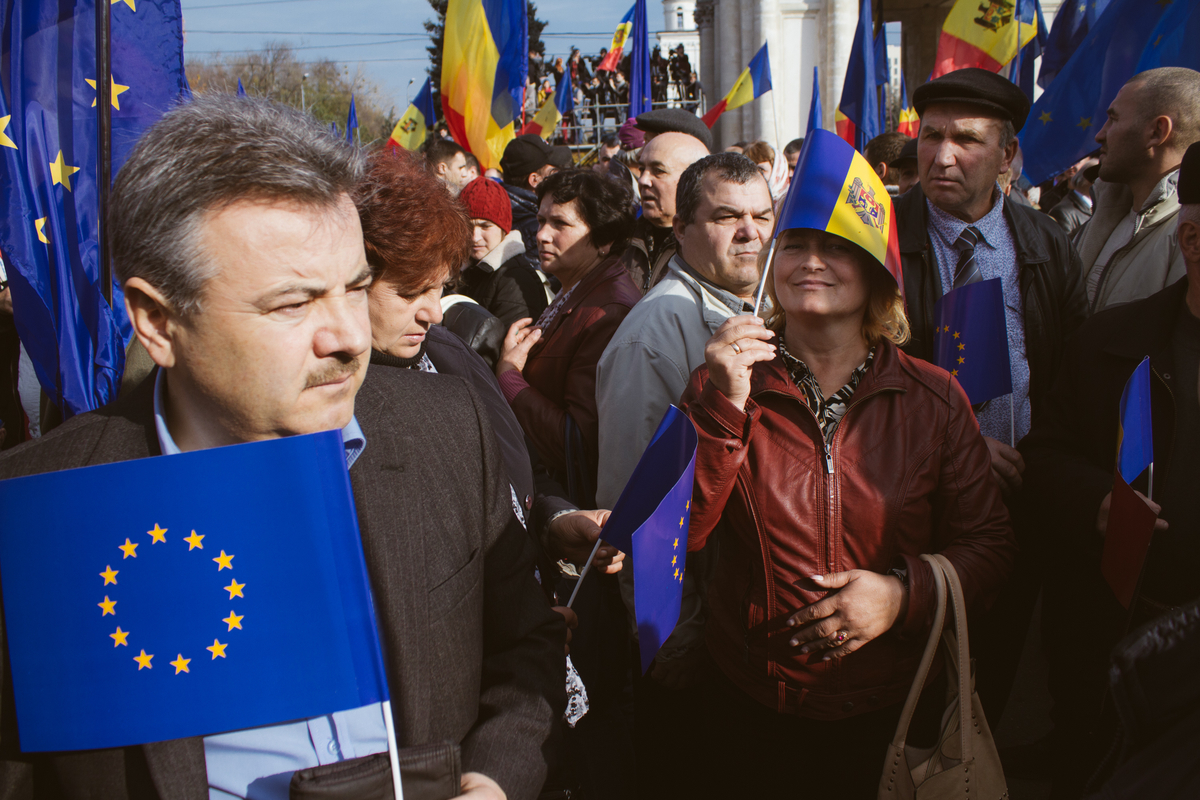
<point x="486" y="199"/>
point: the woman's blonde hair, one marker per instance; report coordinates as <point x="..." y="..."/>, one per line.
<point x="884" y="317"/>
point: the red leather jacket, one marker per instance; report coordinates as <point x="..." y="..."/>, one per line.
<point x="907" y="473"/>
<point x="560" y="371"/>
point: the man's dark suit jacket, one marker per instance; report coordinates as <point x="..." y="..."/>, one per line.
<point x="474" y="655"/>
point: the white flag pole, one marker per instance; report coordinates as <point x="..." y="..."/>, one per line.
<point x="1012" y="418"/>
<point x="1150" y="485"/>
<point x="762" y="282"/>
<point x="393" y="749"/>
<point x="583" y="574"/>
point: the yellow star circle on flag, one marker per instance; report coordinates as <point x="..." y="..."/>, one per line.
<point x="181" y="664"/>
<point x="61" y="172"/>
<point x="129" y="3"/>
<point x="143" y="660"/>
<point x="119" y="639"/>
<point x="234" y="588"/>
<point x="157" y="534"/>
<point x="129" y="549"/>
<point x="194" y="541"/>
<point x="40" y="224"/>
<point x="109" y="606"/>
<point x="117" y="90"/>
<point x="4" y="140"/>
<point x="224" y="561"/>
<point x="1084" y="122"/>
<point x="1045" y="117"/>
<point x="109" y="575"/>
<point x="217" y="649"/>
<point x="234" y="620"/>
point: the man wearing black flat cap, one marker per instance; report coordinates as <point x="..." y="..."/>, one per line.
<point x="956" y="227"/>
<point x="527" y="161"/>
<point x="905" y="167"/>
<point x="1070" y="456"/>
<point x="673" y="120"/>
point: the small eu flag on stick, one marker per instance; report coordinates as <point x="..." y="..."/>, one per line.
<point x="232" y="593"/>
<point x="971" y="339"/>
<point x="650" y="522"/>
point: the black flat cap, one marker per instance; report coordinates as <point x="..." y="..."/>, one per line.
<point x="908" y="152"/>
<point x="977" y="87"/>
<point x="561" y="158"/>
<point x="524" y="156"/>
<point x="1189" y="176"/>
<point x="674" y="120"/>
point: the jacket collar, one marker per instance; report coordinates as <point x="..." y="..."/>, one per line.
<point x="887" y="373"/>
<point x="718" y="304"/>
<point x="603" y="272"/>
<point x="1156" y="325"/>
<point x="513" y="244"/>
<point x="913" y="220"/>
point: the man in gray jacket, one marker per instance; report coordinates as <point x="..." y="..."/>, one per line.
<point x="1128" y="248"/>
<point x="723" y="220"/>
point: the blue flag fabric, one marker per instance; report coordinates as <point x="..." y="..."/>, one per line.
<point x="639" y="67"/>
<point x="351" y="122"/>
<point x="564" y="95"/>
<point x="860" y="96"/>
<point x="971" y="339"/>
<point x="814" y="106"/>
<point x="1071" y="25"/>
<point x="650" y="522"/>
<point x="881" y="75"/>
<point x="228" y="591"/>
<point x="424" y="102"/>
<point x="1131" y="35"/>
<point x="241" y="89"/>
<point x="48" y="172"/>
<point x="1135" y="436"/>
<point x="1022" y="68"/>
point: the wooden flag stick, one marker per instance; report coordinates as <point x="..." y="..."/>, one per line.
<point x="393" y="749"/>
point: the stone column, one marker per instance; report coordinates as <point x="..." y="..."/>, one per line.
<point x="729" y="52"/>
<point x="704" y="15"/>
<point x="841" y="19"/>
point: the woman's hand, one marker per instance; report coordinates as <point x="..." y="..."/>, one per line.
<point x="733" y="350"/>
<point x="867" y="605"/>
<point x="520" y="338"/>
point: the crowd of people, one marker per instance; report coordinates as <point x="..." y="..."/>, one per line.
<point x="498" y="350"/>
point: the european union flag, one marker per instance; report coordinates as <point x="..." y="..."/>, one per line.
<point x="971" y="339"/>
<point x="650" y="522"/>
<point x="639" y="68"/>
<point x="48" y="176"/>
<point x="186" y="595"/>
<point x="1071" y="25"/>
<point x="1130" y="36"/>
<point x="1135" y="438"/>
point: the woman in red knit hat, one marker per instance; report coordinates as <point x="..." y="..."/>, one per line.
<point x="498" y="275"/>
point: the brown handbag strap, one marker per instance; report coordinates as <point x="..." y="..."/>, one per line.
<point x="931" y="646"/>
<point x="963" y="666"/>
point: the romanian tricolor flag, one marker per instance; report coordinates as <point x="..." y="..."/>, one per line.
<point x="910" y="123"/>
<point x="857" y="117"/>
<point x="485" y="61"/>
<point x="613" y="57"/>
<point x="562" y="102"/>
<point x="982" y="33"/>
<point x="412" y="128"/>
<point x="754" y="82"/>
<point x="835" y="190"/>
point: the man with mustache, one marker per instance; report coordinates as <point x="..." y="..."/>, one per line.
<point x="722" y="220"/>
<point x="956" y="227"/>
<point x="242" y="261"/>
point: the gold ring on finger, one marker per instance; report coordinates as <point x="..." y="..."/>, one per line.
<point x="735" y="347"/>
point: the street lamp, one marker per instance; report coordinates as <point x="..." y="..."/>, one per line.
<point x="407" y="91"/>
<point x="303" y="104"/>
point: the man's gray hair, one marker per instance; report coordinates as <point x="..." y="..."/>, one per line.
<point x="728" y="167"/>
<point x="1172" y="92"/>
<point x="205" y="155"/>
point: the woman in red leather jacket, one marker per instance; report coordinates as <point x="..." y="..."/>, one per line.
<point x="830" y="461"/>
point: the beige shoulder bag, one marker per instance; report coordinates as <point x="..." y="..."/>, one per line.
<point x="964" y="765"/>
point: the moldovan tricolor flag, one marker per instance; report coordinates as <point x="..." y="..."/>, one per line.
<point x="411" y="130"/>
<point x="984" y="34"/>
<point x="613" y="57"/>
<point x="552" y="111"/>
<point x="910" y="123"/>
<point x="754" y="82"/>
<point x="857" y="117"/>
<point x="485" y="61"/>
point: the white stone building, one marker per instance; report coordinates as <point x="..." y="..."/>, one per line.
<point x="803" y="34"/>
<point x="679" y="28"/>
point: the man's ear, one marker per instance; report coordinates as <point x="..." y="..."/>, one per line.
<point x="1010" y="152"/>
<point x="1189" y="241"/>
<point x="1160" y="130"/>
<point x="154" y="321"/>
<point x="881" y="169"/>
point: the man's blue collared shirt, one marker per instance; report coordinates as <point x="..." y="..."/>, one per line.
<point x="258" y="763"/>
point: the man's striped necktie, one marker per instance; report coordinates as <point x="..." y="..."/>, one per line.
<point x="967" y="270"/>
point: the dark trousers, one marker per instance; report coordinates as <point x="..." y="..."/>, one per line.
<point x="673" y="759"/>
<point x="753" y="751"/>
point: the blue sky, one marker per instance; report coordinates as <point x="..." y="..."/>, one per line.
<point x="390" y="41"/>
